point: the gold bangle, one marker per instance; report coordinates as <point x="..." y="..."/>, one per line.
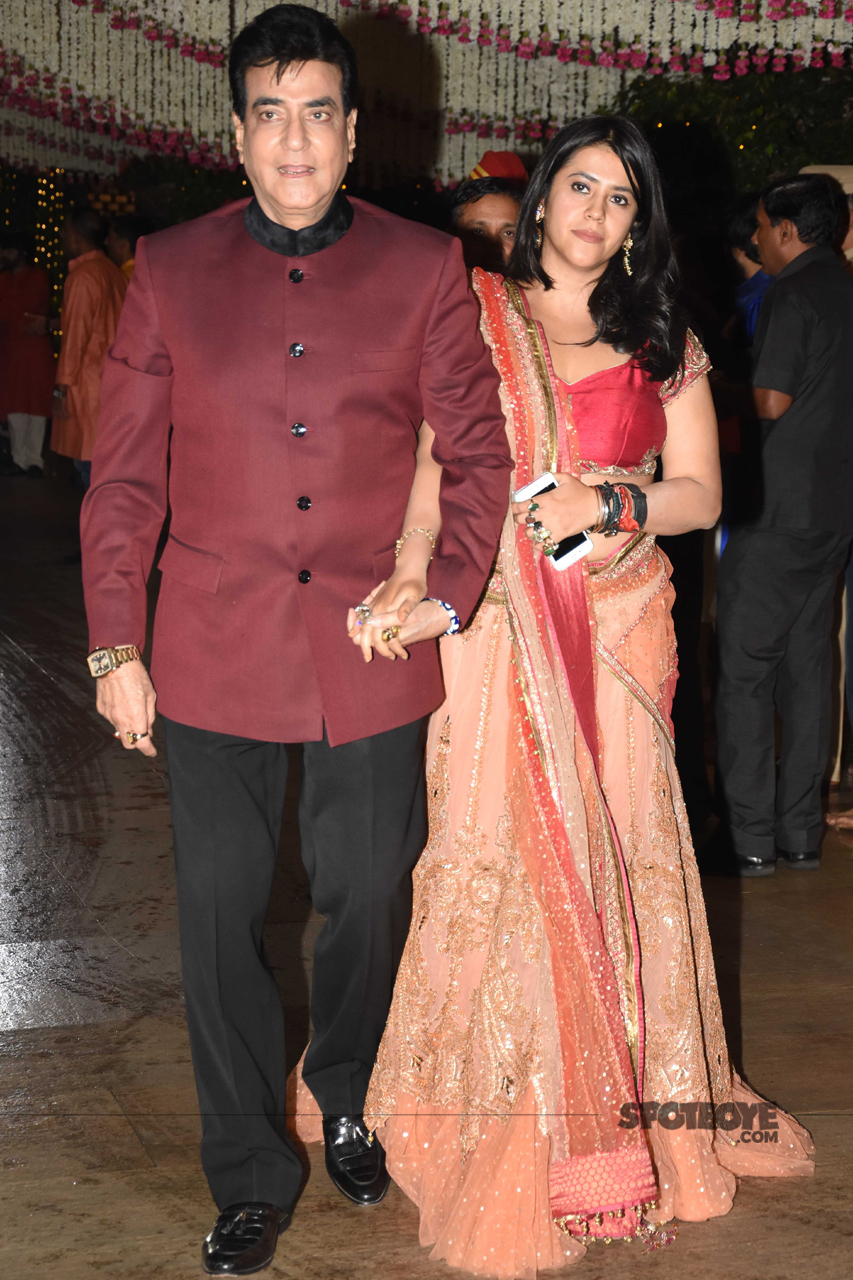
<point x="428" y="533"/>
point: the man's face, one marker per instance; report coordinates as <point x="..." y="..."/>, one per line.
<point x="295" y="142"/>
<point x="486" y="228"/>
<point x="771" y="242"/>
<point x="117" y="247"/>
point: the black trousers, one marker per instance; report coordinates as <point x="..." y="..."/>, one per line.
<point x="774" y="620"/>
<point x="363" y="826"/>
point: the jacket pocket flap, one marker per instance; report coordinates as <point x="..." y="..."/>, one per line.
<point x="192" y="567"/>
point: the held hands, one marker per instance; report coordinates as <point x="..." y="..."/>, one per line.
<point x="126" y="698"/>
<point x="568" y="509"/>
<point x="397" y="602"/>
<point x="37" y="324"/>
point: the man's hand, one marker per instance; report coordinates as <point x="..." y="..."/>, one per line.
<point x="127" y="699"/>
<point x="427" y="621"/>
<point x="37" y="324"/>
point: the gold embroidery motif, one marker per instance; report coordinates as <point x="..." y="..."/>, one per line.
<point x="537" y="349"/>
<point x="694" y="364"/>
<point x="645" y="467"/>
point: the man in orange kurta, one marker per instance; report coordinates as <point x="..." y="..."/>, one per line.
<point x="91" y="305"/>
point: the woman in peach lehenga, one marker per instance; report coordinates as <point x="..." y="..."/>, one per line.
<point x="558" y="971"/>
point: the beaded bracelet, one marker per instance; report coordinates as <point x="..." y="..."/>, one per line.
<point x="428" y="533"/>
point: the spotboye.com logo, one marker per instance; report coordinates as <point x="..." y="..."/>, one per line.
<point x="755" y="1120"/>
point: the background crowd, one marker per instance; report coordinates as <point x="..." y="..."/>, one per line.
<point x="50" y="368"/>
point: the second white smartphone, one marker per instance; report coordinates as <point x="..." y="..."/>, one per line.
<point x="570" y="549"/>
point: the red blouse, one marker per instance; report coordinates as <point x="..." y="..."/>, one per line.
<point x="619" y="412"/>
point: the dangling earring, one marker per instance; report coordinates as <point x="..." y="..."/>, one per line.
<point x="627" y="247"/>
<point x="540" y="218"/>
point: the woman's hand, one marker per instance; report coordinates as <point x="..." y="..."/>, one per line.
<point x="390" y="603"/>
<point x="570" y="508"/>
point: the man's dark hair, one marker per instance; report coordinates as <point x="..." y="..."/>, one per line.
<point x="131" y="227"/>
<point x="742" y="224"/>
<point x="637" y="313"/>
<point x="288" y="34"/>
<point x="814" y="202"/>
<point x="473" y="190"/>
<point x="90" y="225"/>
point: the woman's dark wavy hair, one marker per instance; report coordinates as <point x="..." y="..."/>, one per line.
<point x="636" y="313"/>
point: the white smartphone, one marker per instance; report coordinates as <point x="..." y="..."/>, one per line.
<point x="571" y="549"/>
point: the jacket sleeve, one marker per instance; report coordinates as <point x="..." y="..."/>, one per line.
<point x="459" y="386"/>
<point x="125" y="507"/>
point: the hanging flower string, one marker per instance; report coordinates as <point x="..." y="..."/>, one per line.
<point x="443" y="24"/>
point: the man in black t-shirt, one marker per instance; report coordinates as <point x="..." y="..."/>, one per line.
<point x="779" y="572"/>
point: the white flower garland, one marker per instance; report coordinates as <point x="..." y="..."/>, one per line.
<point x="505" y="76"/>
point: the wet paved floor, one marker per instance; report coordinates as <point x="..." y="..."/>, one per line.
<point x="99" y="1174"/>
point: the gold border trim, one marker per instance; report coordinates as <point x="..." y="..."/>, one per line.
<point x="540" y="360"/>
<point x="595" y="567"/>
<point x="633" y="686"/>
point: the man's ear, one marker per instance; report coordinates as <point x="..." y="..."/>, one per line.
<point x="787" y="231"/>
<point x="351" y="119"/>
<point x="240" y="130"/>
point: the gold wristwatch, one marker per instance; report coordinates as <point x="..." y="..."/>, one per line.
<point x="103" y="661"/>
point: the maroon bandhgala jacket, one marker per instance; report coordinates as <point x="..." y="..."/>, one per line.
<point x="277" y="417"/>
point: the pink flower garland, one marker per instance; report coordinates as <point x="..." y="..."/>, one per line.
<point x="95" y="116"/>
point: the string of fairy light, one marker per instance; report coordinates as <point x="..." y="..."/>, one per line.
<point x="50" y="211"/>
<point x="10" y="193"/>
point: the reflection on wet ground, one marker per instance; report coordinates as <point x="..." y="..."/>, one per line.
<point x="98" y="1116"/>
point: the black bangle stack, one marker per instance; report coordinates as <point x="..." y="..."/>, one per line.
<point x="640" y="504"/>
<point x="622" y="508"/>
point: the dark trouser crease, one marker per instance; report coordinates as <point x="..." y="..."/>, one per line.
<point x="363" y="827"/>
<point x="774" y="629"/>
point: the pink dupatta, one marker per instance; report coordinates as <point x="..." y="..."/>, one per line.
<point x="600" y="1174"/>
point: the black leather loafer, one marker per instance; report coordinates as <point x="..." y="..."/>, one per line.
<point x="243" y="1239"/>
<point x="749" y="866"/>
<point x="355" y="1160"/>
<point x="808" y="861"/>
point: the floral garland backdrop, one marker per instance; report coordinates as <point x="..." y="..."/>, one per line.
<point x="104" y="83"/>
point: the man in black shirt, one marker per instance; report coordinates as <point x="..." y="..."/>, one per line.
<point x="779" y="572"/>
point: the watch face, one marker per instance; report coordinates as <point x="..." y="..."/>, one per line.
<point x="100" y="662"/>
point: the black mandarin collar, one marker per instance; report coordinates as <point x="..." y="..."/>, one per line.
<point x="335" y="223"/>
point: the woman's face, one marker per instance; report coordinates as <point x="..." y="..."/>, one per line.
<point x="589" y="211"/>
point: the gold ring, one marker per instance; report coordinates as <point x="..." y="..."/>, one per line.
<point x="390" y="633"/>
<point x="133" y="738"/>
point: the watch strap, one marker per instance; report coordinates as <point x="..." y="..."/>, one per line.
<point x="115" y="657"/>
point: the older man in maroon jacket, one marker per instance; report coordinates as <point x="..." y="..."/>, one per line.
<point x="273" y="364"/>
